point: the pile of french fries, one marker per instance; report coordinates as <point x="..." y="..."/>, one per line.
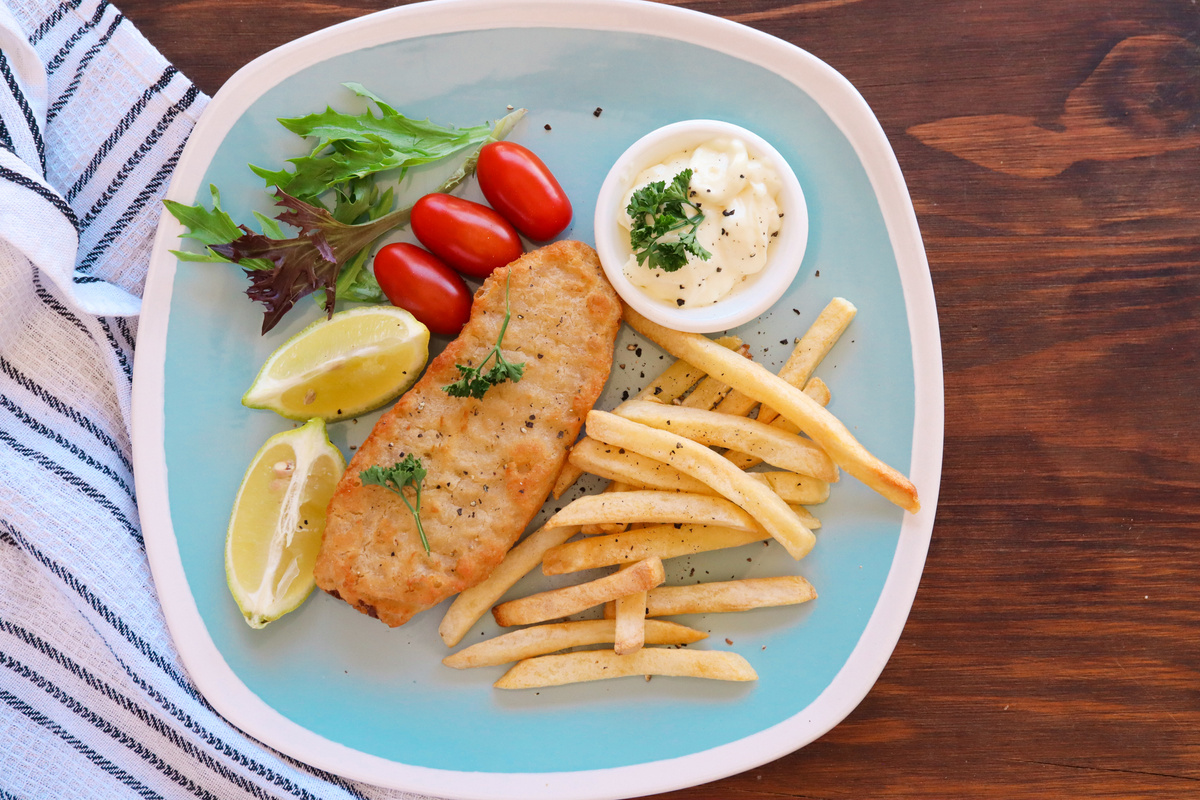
<point x="677" y="457"/>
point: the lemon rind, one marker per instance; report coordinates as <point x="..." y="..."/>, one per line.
<point x="314" y="445"/>
<point x="265" y="391"/>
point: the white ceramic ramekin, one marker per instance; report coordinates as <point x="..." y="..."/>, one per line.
<point x="756" y="294"/>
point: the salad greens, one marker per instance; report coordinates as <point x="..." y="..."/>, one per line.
<point x="355" y="146"/>
<point x="331" y="198"/>
<point x="216" y="227"/>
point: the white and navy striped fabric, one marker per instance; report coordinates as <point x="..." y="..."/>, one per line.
<point x="93" y="700"/>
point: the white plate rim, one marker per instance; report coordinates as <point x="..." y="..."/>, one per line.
<point x="848" y="110"/>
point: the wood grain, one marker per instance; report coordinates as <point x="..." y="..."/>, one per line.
<point x="1053" y="155"/>
<point x="1141" y="101"/>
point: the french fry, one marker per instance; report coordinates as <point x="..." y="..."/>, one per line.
<point x="641" y="472"/>
<point x="817" y="390"/>
<point x="664" y="541"/>
<point x="675" y="381"/>
<point x="806" y="516"/>
<point x="754" y="381"/>
<point x="728" y="596"/>
<point x="672" y="383"/>
<point x="595" y="528"/>
<point x="654" y="507"/>
<point x="810" y="350"/>
<point x="736" y="404"/>
<point x="636" y="470"/>
<point x="473" y="603"/>
<point x="593" y="665"/>
<point x="630" y="618"/>
<point x="793" y="488"/>
<point x="813" y="346"/>
<point x="789" y="451"/>
<point x="669" y="386"/>
<point x="569" y="600"/>
<point x="706" y="394"/>
<point x="566" y="477"/>
<point x="539" y="640"/>
<point x="702" y="463"/>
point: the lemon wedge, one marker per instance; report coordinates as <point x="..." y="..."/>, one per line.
<point x="278" y="517"/>
<point x="344" y="366"/>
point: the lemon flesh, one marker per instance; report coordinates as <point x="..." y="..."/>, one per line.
<point x="341" y="367"/>
<point x="277" y="521"/>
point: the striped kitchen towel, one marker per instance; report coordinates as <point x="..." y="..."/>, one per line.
<point x="93" y="700"/>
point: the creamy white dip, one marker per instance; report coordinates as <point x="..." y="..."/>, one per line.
<point x="739" y="197"/>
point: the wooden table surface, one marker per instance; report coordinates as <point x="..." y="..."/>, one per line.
<point x="1052" y="150"/>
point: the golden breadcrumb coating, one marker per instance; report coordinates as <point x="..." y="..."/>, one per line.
<point x="491" y="462"/>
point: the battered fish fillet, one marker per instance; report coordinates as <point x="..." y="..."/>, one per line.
<point x="492" y="462"/>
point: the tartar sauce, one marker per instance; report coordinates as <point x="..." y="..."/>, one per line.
<point x="739" y="197"/>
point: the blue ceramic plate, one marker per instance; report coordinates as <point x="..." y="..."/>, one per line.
<point x="339" y="690"/>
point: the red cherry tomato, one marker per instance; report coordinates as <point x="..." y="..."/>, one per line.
<point x="418" y="282"/>
<point x="468" y="236"/>
<point x="520" y="187"/>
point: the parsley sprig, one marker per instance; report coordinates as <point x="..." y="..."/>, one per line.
<point x="658" y="209"/>
<point x="409" y="472"/>
<point x="474" y="382"/>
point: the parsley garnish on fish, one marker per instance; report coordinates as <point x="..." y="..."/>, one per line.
<point x="474" y="382"/>
<point x="658" y="209"/>
<point x="408" y="472"/>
